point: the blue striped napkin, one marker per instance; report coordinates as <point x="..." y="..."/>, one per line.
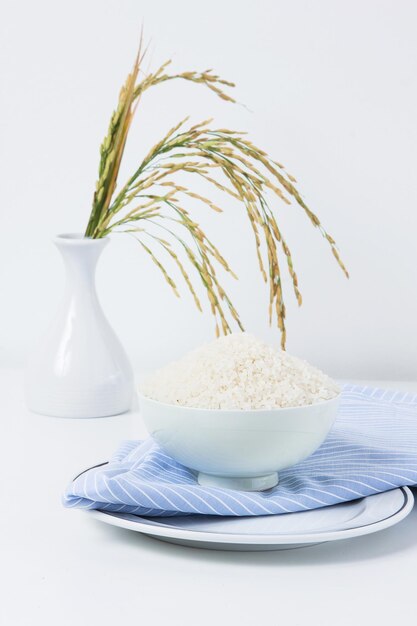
<point x="372" y="447"/>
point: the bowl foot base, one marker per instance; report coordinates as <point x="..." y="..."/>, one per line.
<point x="255" y="483"/>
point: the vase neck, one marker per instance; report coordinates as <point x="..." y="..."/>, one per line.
<point x="80" y="255"/>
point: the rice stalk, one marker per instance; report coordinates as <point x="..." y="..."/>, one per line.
<point x="151" y="200"/>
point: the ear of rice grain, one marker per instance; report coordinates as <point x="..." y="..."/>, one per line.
<point x="238" y="371"/>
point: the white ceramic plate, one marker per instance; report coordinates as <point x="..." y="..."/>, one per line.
<point x="273" y="532"/>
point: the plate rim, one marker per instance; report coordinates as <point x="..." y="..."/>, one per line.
<point x="113" y="519"/>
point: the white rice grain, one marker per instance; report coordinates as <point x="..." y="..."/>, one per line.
<point x="239" y="371"/>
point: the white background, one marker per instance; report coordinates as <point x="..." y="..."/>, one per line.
<point x="332" y="92"/>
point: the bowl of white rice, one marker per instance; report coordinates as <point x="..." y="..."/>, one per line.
<point x="236" y="411"/>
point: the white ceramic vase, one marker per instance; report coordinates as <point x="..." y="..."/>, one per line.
<point x="80" y="369"/>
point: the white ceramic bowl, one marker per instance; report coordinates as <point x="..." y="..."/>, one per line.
<point x="238" y="449"/>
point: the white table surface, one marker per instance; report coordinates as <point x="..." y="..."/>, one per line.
<point x="58" y="567"/>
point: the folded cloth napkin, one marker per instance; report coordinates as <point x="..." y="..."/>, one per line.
<point x="372" y="447"/>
